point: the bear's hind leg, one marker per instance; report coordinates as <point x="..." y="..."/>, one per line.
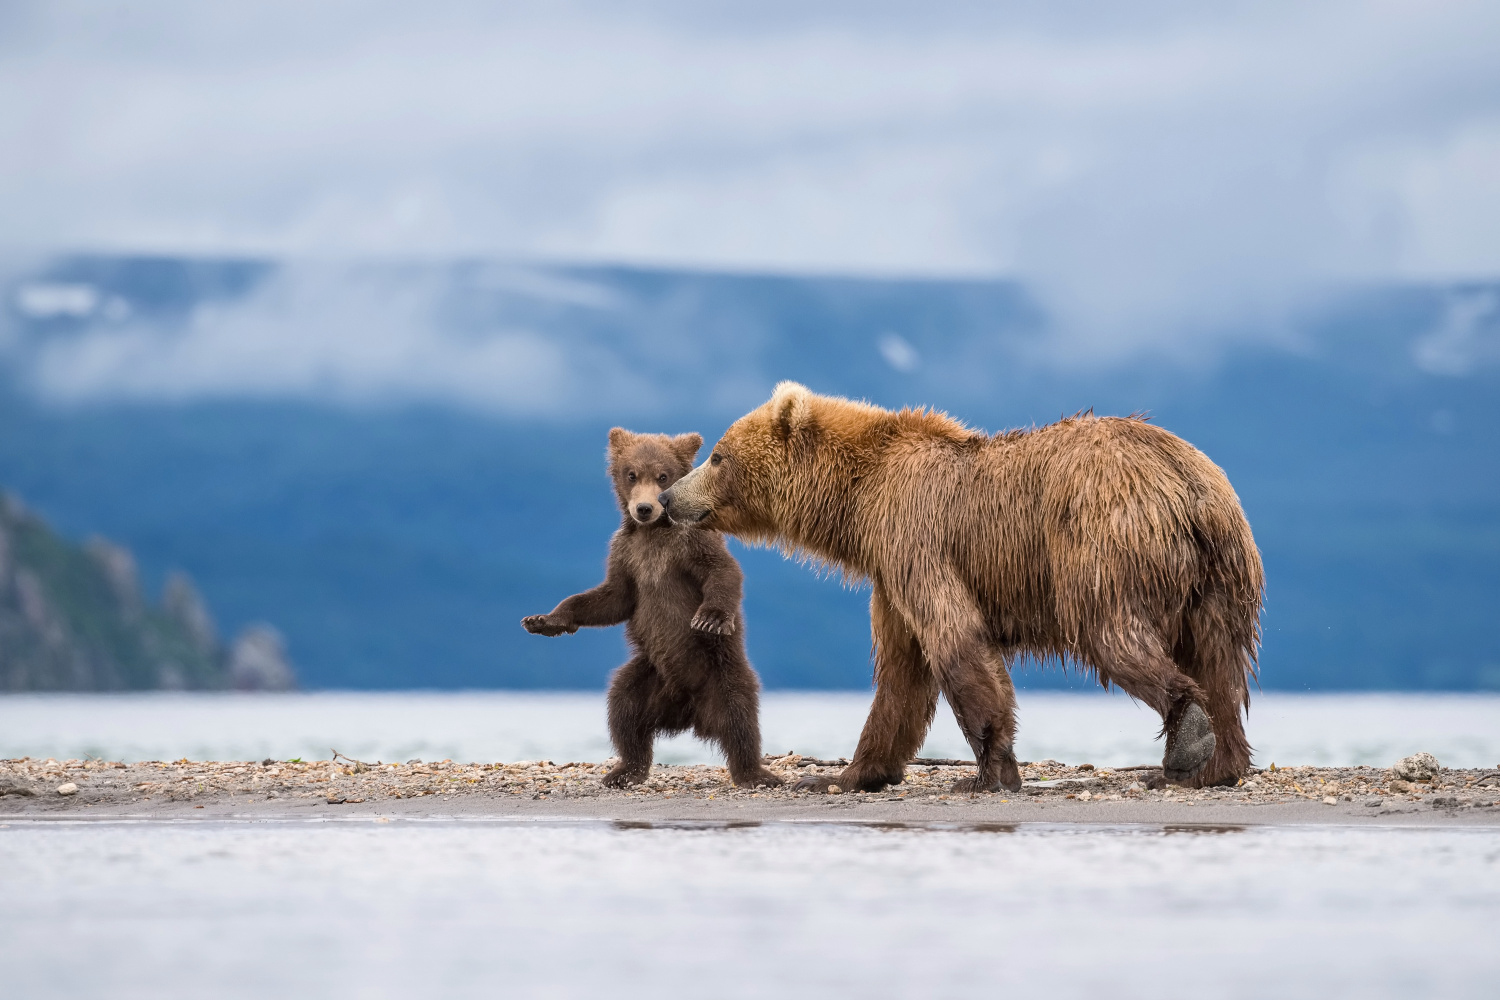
<point x="1221" y="662"/>
<point x="727" y="712"/>
<point x="640" y="706"/>
<point x="1133" y="658"/>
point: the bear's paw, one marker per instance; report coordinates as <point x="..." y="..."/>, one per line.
<point x="1190" y="745"/>
<point x="714" y="621"/>
<point x="763" y="778"/>
<point x="623" y="776"/>
<point x="544" y="625"/>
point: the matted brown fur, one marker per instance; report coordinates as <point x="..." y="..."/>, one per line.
<point x="1104" y="541"/>
<point x="678" y="591"/>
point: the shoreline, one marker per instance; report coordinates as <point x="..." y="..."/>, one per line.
<point x="1054" y="794"/>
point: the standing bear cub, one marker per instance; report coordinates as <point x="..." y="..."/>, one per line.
<point x="678" y="591"/>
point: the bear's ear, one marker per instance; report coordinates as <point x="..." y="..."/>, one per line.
<point x="686" y="446"/>
<point x="791" y="407"/>
<point x="619" y="437"/>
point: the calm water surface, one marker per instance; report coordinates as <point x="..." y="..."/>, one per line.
<point x="503" y="909"/>
<point x="1463" y="730"/>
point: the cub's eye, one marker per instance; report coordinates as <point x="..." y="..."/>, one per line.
<point x="630" y="476"/>
<point x="662" y="479"/>
<point x="715" y="458"/>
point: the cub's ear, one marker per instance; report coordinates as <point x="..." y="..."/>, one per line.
<point x="791" y="407"/>
<point x="619" y="437"/>
<point x="686" y="446"/>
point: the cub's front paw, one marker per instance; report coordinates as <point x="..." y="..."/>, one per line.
<point x="713" y="621"/>
<point x="544" y="625"/>
<point x="763" y="778"/>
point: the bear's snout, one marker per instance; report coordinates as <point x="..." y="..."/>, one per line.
<point x="645" y="512"/>
<point x="682" y="501"/>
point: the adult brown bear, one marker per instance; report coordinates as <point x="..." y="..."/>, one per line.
<point x="1104" y="541"/>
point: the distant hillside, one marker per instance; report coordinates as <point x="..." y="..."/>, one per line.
<point x="398" y="538"/>
<point x="73" y="618"/>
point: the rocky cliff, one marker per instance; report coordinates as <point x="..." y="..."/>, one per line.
<point x="74" y="618"/>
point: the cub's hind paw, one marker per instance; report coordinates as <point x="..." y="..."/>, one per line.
<point x="763" y="778"/>
<point x="714" y="622"/>
<point x="544" y="625"/>
<point x="622" y="777"/>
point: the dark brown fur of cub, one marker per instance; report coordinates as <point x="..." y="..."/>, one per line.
<point x="678" y="591"/>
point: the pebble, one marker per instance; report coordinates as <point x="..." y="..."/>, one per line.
<point x="1417" y="767"/>
<point x="67" y="788"/>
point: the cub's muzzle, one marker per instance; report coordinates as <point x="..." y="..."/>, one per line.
<point x="643" y="505"/>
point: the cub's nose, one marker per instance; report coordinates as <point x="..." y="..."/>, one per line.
<point x="643" y="512"/>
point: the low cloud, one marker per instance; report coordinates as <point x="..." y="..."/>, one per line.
<point x="1158" y="173"/>
<point x="1466" y="338"/>
<point x="356" y="334"/>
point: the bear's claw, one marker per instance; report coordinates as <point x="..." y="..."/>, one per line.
<point x="1190" y="744"/>
<point x="714" y="622"/>
<point x="821" y="783"/>
<point x="764" y="778"/>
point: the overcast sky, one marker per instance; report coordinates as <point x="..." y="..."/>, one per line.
<point x="1134" y="160"/>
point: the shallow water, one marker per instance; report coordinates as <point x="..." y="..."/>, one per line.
<point x="459" y="909"/>
<point x="1462" y="730"/>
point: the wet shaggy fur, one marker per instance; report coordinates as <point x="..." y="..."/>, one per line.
<point x="678" y="591"/>
<point x="1106" y="542"/>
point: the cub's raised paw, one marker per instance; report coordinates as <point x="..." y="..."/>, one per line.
<point x="760" y="779"/>
<point x="544" y="625"/>
<point x="622" y="777"/>
<point x="714" y="622"/>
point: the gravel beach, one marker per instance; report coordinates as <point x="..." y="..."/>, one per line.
<point x="1053" y="793"/>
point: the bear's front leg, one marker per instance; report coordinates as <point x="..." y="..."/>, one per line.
<point x="906" y="695"/>
<point x="547" y="625"/>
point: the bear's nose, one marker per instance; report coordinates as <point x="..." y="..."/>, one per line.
<point x="642" y="511"/>
<point x="665" y="500"/>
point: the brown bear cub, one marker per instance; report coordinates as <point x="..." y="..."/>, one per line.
<point x="677" y="589"/>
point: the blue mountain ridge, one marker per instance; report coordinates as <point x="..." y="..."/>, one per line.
<point x="397" y="544"/>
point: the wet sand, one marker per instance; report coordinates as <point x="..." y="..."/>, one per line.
<point x="531" y="790"/>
